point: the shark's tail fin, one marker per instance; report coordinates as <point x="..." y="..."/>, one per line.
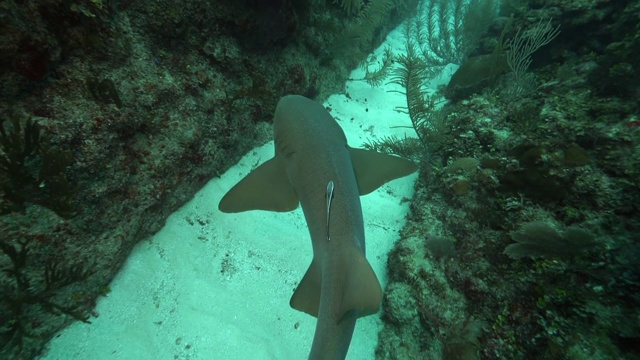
<point x="360" y="289"/>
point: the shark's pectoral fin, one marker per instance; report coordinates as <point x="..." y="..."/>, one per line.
<point x="266" y="188"/>
<point x="362" y="293"/>
<point x="373" y="169"/>
<point x="306" y="298"/>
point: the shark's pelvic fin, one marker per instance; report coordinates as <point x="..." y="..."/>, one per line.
<point x="266" y="188"/>
<point x="306" y="298"/>
<point x="374" y="169"/>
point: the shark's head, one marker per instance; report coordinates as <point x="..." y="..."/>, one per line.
<point x="298" y="119"/>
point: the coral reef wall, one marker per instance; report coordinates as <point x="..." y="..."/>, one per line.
<point x="114" y="113"/>
<point x="523" y="237"/>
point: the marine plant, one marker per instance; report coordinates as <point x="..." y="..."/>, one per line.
<point x="446" y="32"/>
<point x="350" y="6"/>
<point x="442" y="32"/>
<point x="31" y="170"/>
<point x="521" y="47"/>
<point x="360" y="32"/>
<point x="23" y="287"/>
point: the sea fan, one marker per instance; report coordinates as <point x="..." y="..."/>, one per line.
<point x="350" y="6"/>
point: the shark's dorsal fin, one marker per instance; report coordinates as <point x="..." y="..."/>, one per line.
<point x="266" y="188"/>
<point x="374" y="169"/>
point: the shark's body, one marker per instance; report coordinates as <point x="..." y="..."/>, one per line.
<point x="314" y="166"/>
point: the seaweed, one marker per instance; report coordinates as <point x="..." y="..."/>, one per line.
<point x="360" y="34"/>
<point x="25" y="289"/>
<point x="18" y="146"/>
<point x="411" y="75"/>
<point x="376" y="77"/>
<point x="521" y="82"/>
<point x="406" y="147"/>
<point x="449" y="31"/>
<point x="31" y="170"/>
<point x="350" y="6"/>
<point x="427" y="118"/>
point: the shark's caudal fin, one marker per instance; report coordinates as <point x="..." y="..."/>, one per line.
<point x="361" y="292"/>
<point x="374" y="169"/>
<point x="266" y="188"/>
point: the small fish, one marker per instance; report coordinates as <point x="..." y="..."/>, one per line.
<point x="329" y="197"/>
